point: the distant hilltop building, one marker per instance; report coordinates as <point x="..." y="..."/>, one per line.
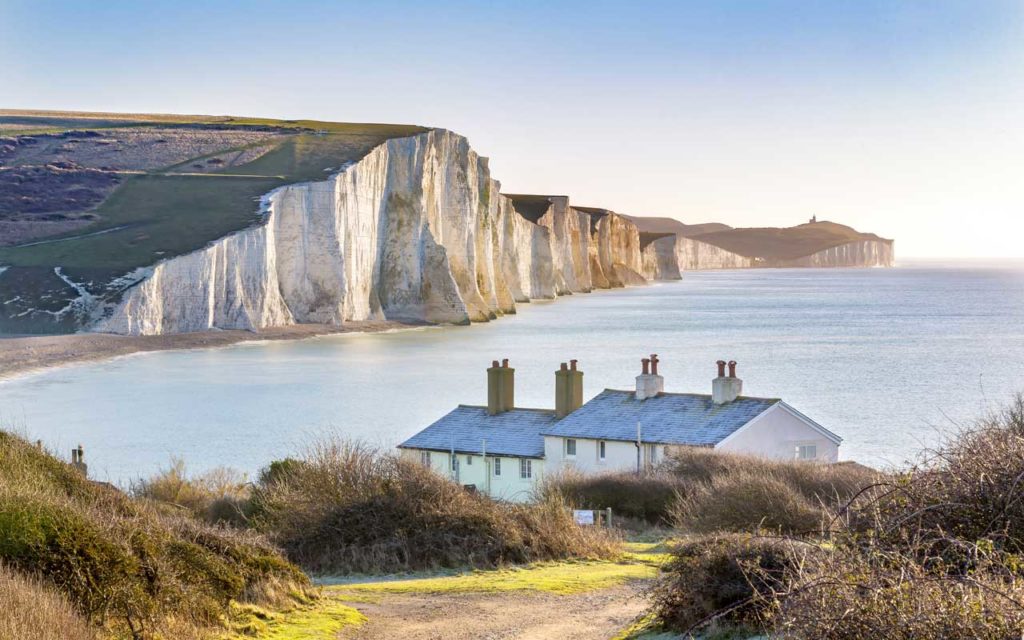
<point x="503" y="450"/>
<point x="813" y="219"/>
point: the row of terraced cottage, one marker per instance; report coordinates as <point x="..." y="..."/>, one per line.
<point x="504" y="451"/>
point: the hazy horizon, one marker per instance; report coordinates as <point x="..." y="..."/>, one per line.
<point x="902" y="119"/>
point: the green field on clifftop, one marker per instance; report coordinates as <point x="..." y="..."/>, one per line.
<point x="154" y="213"/>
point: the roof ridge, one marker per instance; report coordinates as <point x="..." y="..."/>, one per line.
<point x="693" y="395"/>
<point x="482" y="406"/>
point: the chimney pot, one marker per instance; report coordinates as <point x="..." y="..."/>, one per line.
<point x="646" y="362"/>
<point x="504" y="363"/>
<point x="564" y="367"/>
<point x="721" y="368"/>
<point x="654" y="364"/>
<point x="494" y="363"/>
<point x="732" y="368"/>
<point x="572" y="364"/>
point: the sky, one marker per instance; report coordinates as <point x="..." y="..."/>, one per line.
<point x="904" y="118"/>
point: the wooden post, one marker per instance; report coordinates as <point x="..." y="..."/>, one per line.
<point x="608" y="517"/>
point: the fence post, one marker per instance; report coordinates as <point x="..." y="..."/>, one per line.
<point x="608" y="517"/>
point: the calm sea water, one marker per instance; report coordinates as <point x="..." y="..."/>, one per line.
<point x="889" y="359"/>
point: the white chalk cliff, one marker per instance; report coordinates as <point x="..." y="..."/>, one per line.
<point x="417" y="230"/>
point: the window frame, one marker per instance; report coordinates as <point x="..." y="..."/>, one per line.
<point x="575" y="447"/>
<point x="799" y="448"/>
<point x="497" y="467"/>
<point x="425" y="458"/>
<point x="602" y="451"/>
<point x="525" y="469"/>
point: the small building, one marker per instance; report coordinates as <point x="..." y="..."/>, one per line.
<point x="504" y="451"/>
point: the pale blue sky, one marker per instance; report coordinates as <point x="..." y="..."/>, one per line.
<point x="904" y="118"/>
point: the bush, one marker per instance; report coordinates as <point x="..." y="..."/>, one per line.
<point x="728" y="492"/>
<point x="748" y="501"/>
<point x="646" y="497"/>
<point x="723" y="580"/>
<point x="849" y="595"/>
<point x="347" y="508"/>
<point x="931" y="553"/>
<point x="33" y="610"/>
<point x="219" y="495"/>
<point x="131" y="566"/>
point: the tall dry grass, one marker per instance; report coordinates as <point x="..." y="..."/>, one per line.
<point x="934" y="552"/>
<point x="129" y="566"/>
<point x="348" y="508"/>
<point x="31" y="610"/>
<point x="219" y="495"/>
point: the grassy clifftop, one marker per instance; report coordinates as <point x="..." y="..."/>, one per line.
<point x="786" y="243"/>
<point x="98" y="195"/>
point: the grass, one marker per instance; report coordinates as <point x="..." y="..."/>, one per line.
<point x="789" y="243"/>
<point x="126" y="566"/>
<point x="345" y="508"/>
<point x="31" y="609"/>
<point x="321" y="620"/>
<point x="158" y="216"/>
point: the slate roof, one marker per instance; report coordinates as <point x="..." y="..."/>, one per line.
<point x="668" y="418"/>
<point x="515" y="433"/>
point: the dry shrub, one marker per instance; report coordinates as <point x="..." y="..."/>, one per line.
<point x="728" y="492"/>
<point x="647" y="497"/>
<point x="847" y="595"/>
<point x="219" y="495"/>
<point x="347" y="508"/>
<point x="747" y="501"/>
<point x="723" y="580"/>
<point x="827" y="483"/>
<point x="124" y="564"/>
<point x="31" y="609"/>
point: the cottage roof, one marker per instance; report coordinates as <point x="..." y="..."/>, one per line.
<point x="668" y="418"/>
<point x="515" y="433"/>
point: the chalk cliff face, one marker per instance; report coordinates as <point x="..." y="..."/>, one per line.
<point x="415" y="231"/>
<point x="699" y="255"/>
<point x="863" y="253"/>
<point x="663" y="257"/>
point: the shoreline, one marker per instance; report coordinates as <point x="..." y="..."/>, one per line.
<point x="23" y="355"/>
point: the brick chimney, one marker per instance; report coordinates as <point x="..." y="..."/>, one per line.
<point x="726" y="388"/>
<point x="568" y="389"/>
<point x="649" y="383"/>
<point x="501" y="387"/>
<point x="78" y="460"/>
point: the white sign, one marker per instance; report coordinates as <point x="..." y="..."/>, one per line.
<point x="583" y="516"/>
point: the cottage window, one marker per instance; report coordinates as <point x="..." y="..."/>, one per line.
<point x="570" y="448"/>
<point x="525" y="468"/>
<point x="455" y="463"/>
<point x="806" y="452"/>
<point x="497" y="466"/>
<point x="425" y="458"/>
<point x="469" y="461"/>
<point x="601" y="450"/>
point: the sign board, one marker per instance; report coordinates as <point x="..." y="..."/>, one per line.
<point x="583" y="516"/>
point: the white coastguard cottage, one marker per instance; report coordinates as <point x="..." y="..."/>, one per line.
<point x="503" y="451"/>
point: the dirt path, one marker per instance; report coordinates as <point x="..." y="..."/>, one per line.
<point x="522" y="615"/>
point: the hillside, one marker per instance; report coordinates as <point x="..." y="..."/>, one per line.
<point x="663" y="226"/>
<point x="153" y="225"/>
<point x="769" y="243"/>
<point x="100" y="195"/>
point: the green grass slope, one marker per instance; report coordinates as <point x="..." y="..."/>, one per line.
<point x="161" y="213"/>
<point x="128" y="567"/>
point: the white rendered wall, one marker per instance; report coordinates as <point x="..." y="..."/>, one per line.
<point x="619" y="455"/>
<point x="775" y="434"/>
<point x="507" y="486"/>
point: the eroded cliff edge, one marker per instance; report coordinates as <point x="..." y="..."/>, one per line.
<point x="416" y="231"/>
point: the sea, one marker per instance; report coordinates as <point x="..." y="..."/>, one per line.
<point x="893" y="360"/>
